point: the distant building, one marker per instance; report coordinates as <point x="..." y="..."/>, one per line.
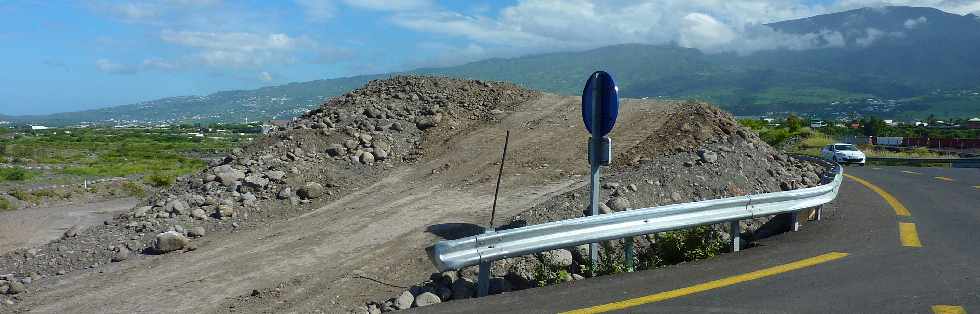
<point x="39" y="127"/>
<point x="973" y="123"/>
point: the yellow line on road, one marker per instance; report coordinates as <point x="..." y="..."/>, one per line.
<point x="945" y="179"/>
<point x="892" y="201"/>
<point x="910" y="172"/>
<point x="948" y="309"/>
<point x="908" y="235"/>
<point x="762" y="273"/>
<point x="976" y="187"/>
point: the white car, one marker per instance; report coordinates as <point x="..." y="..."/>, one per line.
<point x="843" y="153"/>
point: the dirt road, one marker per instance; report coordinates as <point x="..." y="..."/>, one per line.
<point x="31" y="227"/>
<point x="319" y="260"/>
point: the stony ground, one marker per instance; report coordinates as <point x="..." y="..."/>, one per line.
<point x="336" y="210"/>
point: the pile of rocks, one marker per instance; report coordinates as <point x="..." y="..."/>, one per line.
<point x="347" y="143"/>
<point x="700" y="153"/>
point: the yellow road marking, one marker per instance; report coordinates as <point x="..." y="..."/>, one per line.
<point x="910" y="172"/>
<point x="948" y="309"/>
<point x="976" y="187"/>
<point x="892" y="201"/>
<point x="908" y="234"/>
<point x="724" y="282"/>
<point x="945" y="179"/>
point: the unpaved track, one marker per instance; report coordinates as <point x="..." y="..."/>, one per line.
<point x="379" y="232"/>
<point x="30" y="227"/>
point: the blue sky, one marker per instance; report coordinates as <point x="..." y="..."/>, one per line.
<point x="75" y="55"/>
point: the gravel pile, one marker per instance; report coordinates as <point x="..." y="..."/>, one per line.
<point x="701" y="153"/>
<point x="347" y="143"/>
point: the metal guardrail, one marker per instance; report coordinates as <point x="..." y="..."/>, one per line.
<point x="490" y="246"/>
<point x="954" y="162"/>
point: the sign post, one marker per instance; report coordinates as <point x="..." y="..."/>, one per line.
<point x="600" y="107"/>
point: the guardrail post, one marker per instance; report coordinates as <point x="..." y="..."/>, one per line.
<point x="628" y="256"/>
<point x="736" y="233"/>
<point x="794" y="221"/>
<point x="819" y="213"/>
<point x="483" y="282"/>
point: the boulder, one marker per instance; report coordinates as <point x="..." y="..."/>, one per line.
<point x="175" y="206"/>
<point x="15" y="287"/>
<point x="73" y="231"/>
<point x="196" y="232"/>
<point x="256" y="181"/>
<point x="310" y="190"/>
<point x="618" y="204"/>
<point x="198" y="213"/>
<point x="708" y="156"/>
<point x="284" y="193"/>
<point x="463" y="288"/>
<point x="120" y="255"/>
<point x="276" y="175"/>
<point x="335" y="150"/>
<point x="228" y="178"/>
<point x="224" y="210"/>
<point x="427" y="298"/>
<point x="560" y="258"/>
<point x="367" y="158"/>
<point x="141" y="211"/>
<point x="170" y="241"/>
<point x="380" y="154"/>
<point x="405" y="301"/>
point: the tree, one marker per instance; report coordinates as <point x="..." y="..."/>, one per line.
<point x="794" y="123"/>
<point x="873" y="126"/>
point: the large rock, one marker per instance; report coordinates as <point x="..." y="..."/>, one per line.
<point x="170" y="241"/>
<point x="708" y="156"/>
<point x="120" y="255"/>
<point x="367" y="158"/>
<point x="463" y="288"/>
<point x="276" y="175"/>
<point x="618" y="204"/>
<point x="335" y="150"/>
<point x="404" y="301"/>
<point x="256" y="180"/>
<point x="310" y="190"/>
<point x="198" y="213"/>
<point x="176" y="207"/>
<point x="228" y="178"/>
<point x="427" y="298"/>
<point x="141" y="211"/>
<point x="15" y="287"/>
<point x="73" y="231"/>
<point x="559" y="257"/>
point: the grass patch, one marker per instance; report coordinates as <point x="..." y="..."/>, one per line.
<point x="133" y="189"/>
<point x="23" y="195"/>
<point x="5" y="204"/>
<point x="160" y="180"/>
<point x="918" y="152"/>
<point x="16" y="174"/>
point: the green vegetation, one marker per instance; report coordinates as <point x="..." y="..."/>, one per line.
<point x="162" y="154"/>
<point x="686" y="245"/>
<point x="5" y="204"/>
<point x="160" y="180"/>
<point x="23" y="195"/>
<point x="133" y="189"/>
<point x="15" y="174"/>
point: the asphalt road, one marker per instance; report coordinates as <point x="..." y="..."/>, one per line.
<point x="876" y="273"/>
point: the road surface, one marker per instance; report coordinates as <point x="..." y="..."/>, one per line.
<point x="867" y="255"/>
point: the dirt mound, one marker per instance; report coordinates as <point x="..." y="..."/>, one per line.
<point x="699" y="153"/>
<point x="346" y="144"/>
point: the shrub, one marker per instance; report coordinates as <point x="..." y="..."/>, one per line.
<point x="46" y="193"/>
<point x="5" y="204"/>
<point x="160" y="180"/>
<point x="133" y="189"/>
<point x="22" y="195"/>
<point x="687" y="245"/>
<point x="15" y="174"/>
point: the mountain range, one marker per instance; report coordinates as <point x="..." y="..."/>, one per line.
<point x="892" y="62"/>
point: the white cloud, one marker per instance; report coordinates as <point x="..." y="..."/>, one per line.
<point x="390" y="5"/>
<point x="915" y="23"/>
<point x="953" y="6"/>
<point x="265" y="76"/>
<point x="108" y="66"/>
<point x="238" y="49"/>
<point x="317" y="10"/>
<point x="873" y="34"/>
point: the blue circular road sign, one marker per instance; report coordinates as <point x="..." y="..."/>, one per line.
<point x="600" y="103"/>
